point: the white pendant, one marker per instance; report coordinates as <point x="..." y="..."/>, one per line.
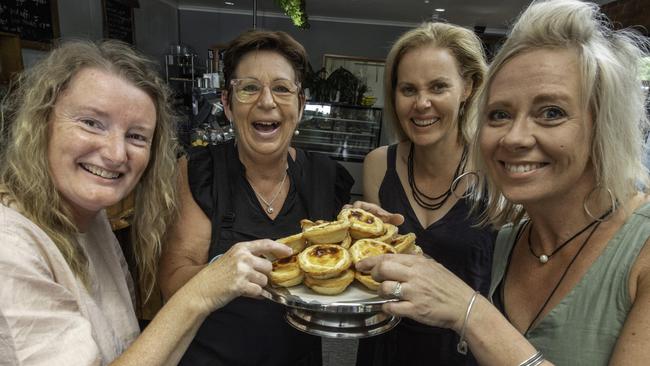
<point x="543" y="258"/>
<point x="269" y="209"/>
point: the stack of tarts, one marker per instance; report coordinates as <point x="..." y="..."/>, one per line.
<point x="324" y="252"/>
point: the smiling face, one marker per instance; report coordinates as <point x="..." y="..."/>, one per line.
<point x="428" y="95"/>
<point x="536" y="133"/>
<point x="264" y="126"/>
<point x="100" y="132"/>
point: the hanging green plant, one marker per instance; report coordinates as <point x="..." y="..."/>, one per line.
<point x="295" y="10"/>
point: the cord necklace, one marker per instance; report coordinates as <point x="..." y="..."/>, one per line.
<point x="566" y="270"/>
<point x="544" y="258"/>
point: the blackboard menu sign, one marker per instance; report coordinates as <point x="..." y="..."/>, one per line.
<point x="35" y="21"/>
<point x="118" y="19"/>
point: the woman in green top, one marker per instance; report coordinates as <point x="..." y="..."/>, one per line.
<point x="560" y="146"/>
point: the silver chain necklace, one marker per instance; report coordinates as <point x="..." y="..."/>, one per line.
<point x="269" y="204"/>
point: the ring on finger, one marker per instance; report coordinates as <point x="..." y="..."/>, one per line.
<point x="397" y="291"/>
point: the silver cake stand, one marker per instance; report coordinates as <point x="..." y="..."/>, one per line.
<point x="355" y="313"/>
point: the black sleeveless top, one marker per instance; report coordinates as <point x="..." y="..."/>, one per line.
<point x="250" y="331"/>
<point x="452" y="241"/>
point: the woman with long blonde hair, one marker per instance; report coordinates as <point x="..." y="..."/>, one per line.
<point x="83" y="128"/>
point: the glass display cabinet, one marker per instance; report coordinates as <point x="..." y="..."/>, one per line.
<point x="344" y="132"/>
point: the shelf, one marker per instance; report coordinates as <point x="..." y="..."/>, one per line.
<point x="181" y="79"/>
<point x="349" y="147"/>
<point x="335" y="136"/>
<point x="309" y="117"/>
<point x="360" y="134"/>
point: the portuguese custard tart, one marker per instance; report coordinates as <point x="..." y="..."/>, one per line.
<point x="364" y="248"/>
<point x="390" y="231"/>
<point x="296" y="242"/>
<point x="327" y="233"/>
<point x="403" y="243"/>
<point x="415" y="250"/>
<point x="346" y="242"/>
<point x="366" y="280"/>
<point x="306" y="223"/>
<point x="363" y="224"/>
<point x="330" y="286"/>
<point x="322" y="261"/>
<point x="286" y="272"/>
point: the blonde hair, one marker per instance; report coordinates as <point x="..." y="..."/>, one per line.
<point x="610" y="87"/>
<point x="24" y="174"/>
<point x="466" y="48"/>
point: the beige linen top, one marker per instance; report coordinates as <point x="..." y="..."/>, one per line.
<point x="47" y="316"/>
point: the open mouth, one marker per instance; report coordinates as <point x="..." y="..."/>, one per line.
<point x="95" y="170"/>
<point x="522" y="168"/>
<point x="266" y="127"/>
<point x="424" y="122"/>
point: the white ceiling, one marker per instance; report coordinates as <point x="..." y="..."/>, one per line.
<point x="495" y="15"/>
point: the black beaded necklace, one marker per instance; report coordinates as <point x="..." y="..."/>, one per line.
<point x="544" y="258"/>
<point x="424" y="201"/>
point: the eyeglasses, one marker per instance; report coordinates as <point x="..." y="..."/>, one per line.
<point x="248" y="90"/>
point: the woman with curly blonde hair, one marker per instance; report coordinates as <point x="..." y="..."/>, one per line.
<point x="83" y="128"/>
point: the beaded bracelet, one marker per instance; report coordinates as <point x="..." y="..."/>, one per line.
<point x="534" y="360"/>
<point x="461" y="347"/>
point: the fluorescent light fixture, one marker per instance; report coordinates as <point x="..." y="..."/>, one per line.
<point x="440" y="10"/>
<point x="230" y="3"/>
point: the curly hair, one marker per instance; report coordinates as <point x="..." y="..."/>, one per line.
<point x="466" y="48"/>
<point x="608" y="61"/>
<point x="24" y="178"/>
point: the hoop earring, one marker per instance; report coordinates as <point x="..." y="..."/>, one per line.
<point x="455" y="182"/>
<point x="611" y="196"/>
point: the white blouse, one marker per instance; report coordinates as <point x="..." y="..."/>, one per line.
<point x="47" y="316"/>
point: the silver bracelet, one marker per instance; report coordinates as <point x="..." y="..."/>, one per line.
<point x="215" y="258"/>
<point x="461" y="347"/>
<point x="534" y="360"/>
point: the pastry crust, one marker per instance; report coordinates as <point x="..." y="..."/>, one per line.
<point x="390" y="231"/>
<point x="330" y="286"/>
<point x="346" y="242"/>
<point x="416" y="250"/>
<point x="296" y="242"/>
<point x="322" y="261"/>
<point x="328" y="232"/>
<point x="286" y="272"/>
<point x="306" y="223"/>
<point x="363" y="224"/>
<point x="403" y="243"/>
<point x="365" y="248"/>
<point x="367" y="280"/>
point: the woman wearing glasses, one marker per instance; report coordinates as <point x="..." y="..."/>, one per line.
<point x="258" y="187"/>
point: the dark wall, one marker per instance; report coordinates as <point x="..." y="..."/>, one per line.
<point x="201" y="30"/>
<point x="628" y="13"/>
<point x="156" y="28"/>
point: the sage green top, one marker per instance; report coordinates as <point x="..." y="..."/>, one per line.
<point x="583" y="328"/>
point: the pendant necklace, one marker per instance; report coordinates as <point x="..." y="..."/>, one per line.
<point x="595" y="224"/>
<point x="427" y="202"/>
<point x="544" y="258"/>
<point x="269" y="204"/>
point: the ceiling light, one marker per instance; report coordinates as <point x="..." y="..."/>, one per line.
<point x="426" y="1"/>
<point x="230" y="3"/>
<point x="440" y="10"/>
